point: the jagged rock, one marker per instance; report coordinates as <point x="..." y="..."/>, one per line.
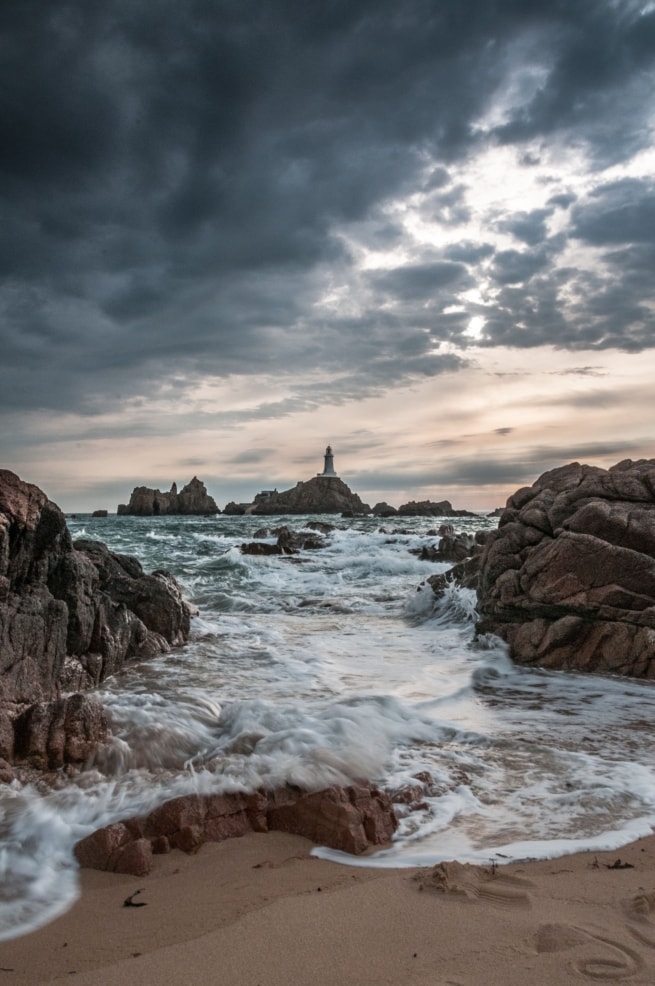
<point x="352" y="819"/>
<point x="69" y="617"/>
<point x="193" y="500"/>
<point x="568" y="580"/>
<point x="100" y="513"/>
<point x="452" y="546"/>
<point x="464" y="574"/>
<point x="288" y="542"/>
<point x="320" y="495"/>
<point x="48" y="735"/>
<point x="156" y="598"/>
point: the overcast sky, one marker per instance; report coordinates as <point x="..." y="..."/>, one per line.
<point x="232" y="231"/>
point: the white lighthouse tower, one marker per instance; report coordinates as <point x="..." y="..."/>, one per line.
<point x="328" y="465"/>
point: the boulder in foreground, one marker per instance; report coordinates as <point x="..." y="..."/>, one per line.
<point x="70" y="616"/>
<point x="568" y="579"/>
<point x="352" y="819"/>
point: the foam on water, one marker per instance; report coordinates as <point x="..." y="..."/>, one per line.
<point x="330" y="666"/>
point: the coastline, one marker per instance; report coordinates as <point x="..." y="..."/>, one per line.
<point x="261" y="910"/>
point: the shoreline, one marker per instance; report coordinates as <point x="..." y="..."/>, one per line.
<point x="261" y="910"/>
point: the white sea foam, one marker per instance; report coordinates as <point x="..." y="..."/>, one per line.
<point x="325" y="667"/>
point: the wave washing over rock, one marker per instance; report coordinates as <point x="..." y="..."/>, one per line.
<point x="313" y="669"/>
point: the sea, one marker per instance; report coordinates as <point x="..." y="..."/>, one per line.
<point x="325" y="667"/>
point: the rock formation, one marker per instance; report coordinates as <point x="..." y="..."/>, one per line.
<point x="352" y="819"/>
<point x="428" y="508"/>
<point x="320" y="495"/>
<point x="568" y="579"/>
<point x="193" y="500"/>
<point x="70" y="615"/>
<point x="288" y="542"/>
<point x="383" y="509"/>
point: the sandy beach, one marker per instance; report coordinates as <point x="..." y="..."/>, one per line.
<point x="261" y="911"/>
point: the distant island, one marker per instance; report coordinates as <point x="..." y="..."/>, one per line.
<point x="193" y="499"/>
<point x="325" y="493"/>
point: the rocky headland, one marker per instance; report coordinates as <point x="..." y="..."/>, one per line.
<point x="192" y="500"/>
<point x="568" y="579"/>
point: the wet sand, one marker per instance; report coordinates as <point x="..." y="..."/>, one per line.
<point x="260" y="911"/>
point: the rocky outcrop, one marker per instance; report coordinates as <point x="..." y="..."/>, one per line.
<point x="192" y="500"/>
<point x="233" y="509"/>
<point x="461" y="548"/>
<point x="48" y="735"/>
<point x="352" y="819"/>
<point x="428" y="508"/>
<point x="288" y="542"/>
<point x="70" y="616"/>
<point x="453" y="546"/>
<point x="320" y="495"/>
<point x="383" y="509"/>
<point x="568" y="580"/>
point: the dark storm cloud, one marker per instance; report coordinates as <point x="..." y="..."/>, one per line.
<point x="620" y="212"/>
<point x="515" y="266"/>
<point x="176" y="180"/>
<point x="600" y="58"/>
<point x="419" y="281"/>
<point x="468" y="253"/>
<point x="529" y="227"/>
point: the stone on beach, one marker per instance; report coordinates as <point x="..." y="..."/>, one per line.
<point x="352" y="819"/>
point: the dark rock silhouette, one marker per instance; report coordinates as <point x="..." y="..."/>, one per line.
<point x="428" y="508"/>
<point x="320" y="495"/>
<point x="192" y="500"/>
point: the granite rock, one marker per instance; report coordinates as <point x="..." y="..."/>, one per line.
<point x="568" y="579"/>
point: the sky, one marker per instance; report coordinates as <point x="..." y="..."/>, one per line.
<point x="235" y="231"/>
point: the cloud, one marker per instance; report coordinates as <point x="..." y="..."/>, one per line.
<point x="343" y="200"/>
<point x="420" y="281"/>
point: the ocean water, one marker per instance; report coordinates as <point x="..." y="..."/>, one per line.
<point x="329" y="666"/>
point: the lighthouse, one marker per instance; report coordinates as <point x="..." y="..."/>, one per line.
<point x="328" y="465"/>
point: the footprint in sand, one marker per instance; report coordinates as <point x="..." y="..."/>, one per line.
<point x="477" y="883"/>
<point x="605" y="959"/>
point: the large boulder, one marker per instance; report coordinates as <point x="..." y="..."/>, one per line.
<point x="568" y="579"/>
<point x="192" y="500"/>
<point x="70" y="616"/>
